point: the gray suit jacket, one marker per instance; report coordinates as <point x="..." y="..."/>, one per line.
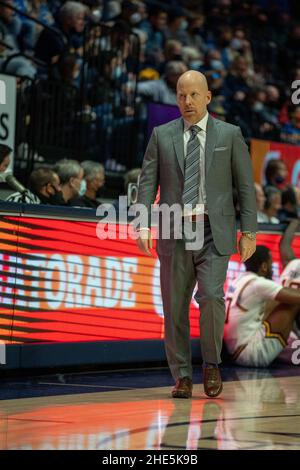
<point x="227" y="165"/>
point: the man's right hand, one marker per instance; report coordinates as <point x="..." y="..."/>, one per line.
<point x="144" y="241"/>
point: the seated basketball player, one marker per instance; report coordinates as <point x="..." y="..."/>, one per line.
<point x="261" y="314"/>
<point x="290" y="276"/>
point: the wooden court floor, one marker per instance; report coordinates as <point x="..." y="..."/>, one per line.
<point x="255" y="411"/>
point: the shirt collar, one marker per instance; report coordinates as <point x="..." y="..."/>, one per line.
<point x="202" y="123"/>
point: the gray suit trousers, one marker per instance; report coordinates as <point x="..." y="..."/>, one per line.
<point x="179" y="273"/>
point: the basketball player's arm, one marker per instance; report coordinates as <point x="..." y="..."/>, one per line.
<point x="287" y="253"/>
<point x="147" y="191"/>
<point x="288" y="296"/>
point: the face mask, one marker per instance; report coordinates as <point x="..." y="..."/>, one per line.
<point x="258" y="106"/>
<point x="236" y="44"/>
<point x="195" y="64"/>
<point x="135" y="18"/>
<point x="97" y="14"/>
<point x="117" y="72"/>
<point x="216" y="64"/>
<point x="279" y="179"/>
<point x="183" y="25"/>
<point x="82" y="189"/>
<point x="57" y="199"/>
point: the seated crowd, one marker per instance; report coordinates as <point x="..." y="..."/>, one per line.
<point x="67" y="183"/>
<point x="248" y="50"/>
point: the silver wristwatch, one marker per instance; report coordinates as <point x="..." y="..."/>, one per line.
<point x="250" y="235"/>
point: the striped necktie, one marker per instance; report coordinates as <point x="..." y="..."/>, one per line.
<point x="190" y="193"/>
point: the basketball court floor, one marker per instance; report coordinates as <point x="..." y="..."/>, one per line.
<point x="132" y="410"/>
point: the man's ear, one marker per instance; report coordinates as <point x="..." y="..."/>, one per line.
<point x="49" y="188"/>
<point x="209" y="97"/>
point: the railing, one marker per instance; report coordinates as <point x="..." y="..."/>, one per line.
<point x="92" y="118"/>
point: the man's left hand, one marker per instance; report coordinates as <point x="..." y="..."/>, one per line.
<point x="246" y="248"/>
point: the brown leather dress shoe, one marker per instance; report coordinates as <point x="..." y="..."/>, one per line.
<point x="183" y="388"/>
<point x="212" y="381"/>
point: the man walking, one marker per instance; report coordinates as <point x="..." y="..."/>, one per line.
<point x="196" y="160"/>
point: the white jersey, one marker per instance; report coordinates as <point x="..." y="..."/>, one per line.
<point x="245" y="306"/>
<point x="290" y="276"/>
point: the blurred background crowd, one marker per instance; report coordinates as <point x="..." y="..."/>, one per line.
<point x="87" y="71"/>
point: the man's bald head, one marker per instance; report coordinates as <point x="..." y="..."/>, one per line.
<point x="192" y="76"/>
<point x="193" y="96"/>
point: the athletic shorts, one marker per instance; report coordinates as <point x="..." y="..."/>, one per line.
<point x="264" y="347"/>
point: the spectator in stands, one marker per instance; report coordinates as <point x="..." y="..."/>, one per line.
<point x="27" y="27"/>
<point x="289" y="208"/>
<point x="269" y="214"/>
<point x="177" y="25"/>
<point x="10" y="22"/>
<point x="67" y="69"/>
<point x="216" y="108"/>
<point x="193" y="36"/>
<point x="70" y="26"/>
<point x="45" y="184"/>
<point x="44" y="187"/>
<point x="5" y="152"/>
<point x="173" y="50"/>
<point x="25" y="196"/>
<point x="290" y="53"/>
<point x="10" y="27"/>
<point x="128" y="14"/>
<point x="251" y="114"/>
<point x="240" y="46"/>
<point x="273" y="101"/>
<point x="154" y="27"/>
<point x="42" y="12"/>
<point x="276" y="174"/>
<point x="164" y="89"/>
<point x="238" y="82"/>
<point x="94" y="175"/>
<point x="192" y="57"/>
<point x="260" y="200"/>
<point x="112" y="9"/>
<point x="213" y="62"/>
<point x="290" y="132"/>
<point x="72" y="183"/>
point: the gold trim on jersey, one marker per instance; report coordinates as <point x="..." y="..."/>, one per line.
<point x="237" y="352"/>
<point x="237" y="303"/>
<point x="270" y="334"/>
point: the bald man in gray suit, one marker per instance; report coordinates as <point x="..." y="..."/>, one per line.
<point x="197" y="160"/>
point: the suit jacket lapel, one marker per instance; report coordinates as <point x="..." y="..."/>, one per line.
<point x="212" y="132"/>
<point x="178" y="142"/>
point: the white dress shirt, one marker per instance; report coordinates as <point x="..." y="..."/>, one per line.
<point x="202" y="139"/>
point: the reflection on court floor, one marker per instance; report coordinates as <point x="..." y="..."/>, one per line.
<point x="256" y="412"/>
